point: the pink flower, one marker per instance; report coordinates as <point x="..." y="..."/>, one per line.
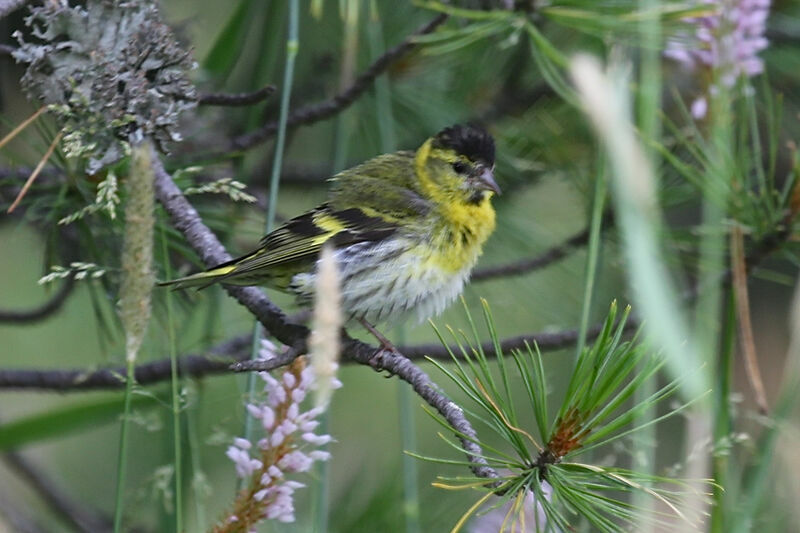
<point x="728" y="40"/>
<point x="289" y="441"/>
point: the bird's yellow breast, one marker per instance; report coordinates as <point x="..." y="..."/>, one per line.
<point x="459" y="235"/>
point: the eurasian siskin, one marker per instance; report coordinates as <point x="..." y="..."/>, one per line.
<point x="406" y="228"/>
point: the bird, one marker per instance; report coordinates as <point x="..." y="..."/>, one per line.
<point x="406" y="229"/>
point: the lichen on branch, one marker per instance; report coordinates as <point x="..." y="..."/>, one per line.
<point x="111" y="71"/>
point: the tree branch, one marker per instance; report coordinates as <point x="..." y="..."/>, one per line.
<point x="237" y="99"/>
<point x="322" y="110"/>
<point x="236" y="350"/>
<point x="232" y="355"/>
<point x="220" y="360"/>
<point x="37" y="314"/>
<point x="6" y="50"/>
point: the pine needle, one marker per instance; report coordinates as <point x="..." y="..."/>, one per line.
<point x="35" y="172"/>
<point x="739" y="270"/>
<point x="24" y="124"/>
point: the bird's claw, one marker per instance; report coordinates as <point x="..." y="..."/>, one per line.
<point x="377" y="359"/>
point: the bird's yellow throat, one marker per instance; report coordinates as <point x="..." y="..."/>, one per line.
<point x="464" y="225"/>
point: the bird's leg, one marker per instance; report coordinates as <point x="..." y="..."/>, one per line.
<point x="386" y="344"/>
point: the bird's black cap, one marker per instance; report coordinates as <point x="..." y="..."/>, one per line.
<point x="468" y="140"/>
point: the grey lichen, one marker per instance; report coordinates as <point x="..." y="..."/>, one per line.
<point x="111" y="71"/>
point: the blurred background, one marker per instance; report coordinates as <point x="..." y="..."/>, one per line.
<point x="547" y="163"/>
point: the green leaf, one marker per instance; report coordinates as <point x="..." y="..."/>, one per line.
<point x="230" y="42"/>
<point x="57" y="422"/>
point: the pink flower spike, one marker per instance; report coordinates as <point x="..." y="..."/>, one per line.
<point x="287" y="427"/>
<point x="317" y="440"/>
<point x="319" y="455"/>
<point x="296" y="462"/>
<point x="309" y="425"/>
<point x="277" y="438"/>
<point x="298" y="395"/>
<point x="699" y="108"/>
<point x="267" y="418"/>
<point x="254" y="411"/>
<point x="277" y="396"/>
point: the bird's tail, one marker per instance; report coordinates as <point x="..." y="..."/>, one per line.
<point x="201" y="280"/>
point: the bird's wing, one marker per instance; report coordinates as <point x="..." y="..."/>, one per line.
<point x="384" y="186"/>
<point x="302" y="237"/>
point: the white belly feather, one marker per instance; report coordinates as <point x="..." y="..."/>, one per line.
<point x="385" y="281"/>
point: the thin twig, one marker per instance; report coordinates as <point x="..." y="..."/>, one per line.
<point x="219" y="361"/>
<point x="556" y="253"/>
<point x="236" y="99"/>
<point x="31" y="316"/>
<point x="6" y="50"/>
<point x="320" y="111"/>
<point x="35" y="173"/>
<point x="739" y="271"/>
<point x="81" y="518"/>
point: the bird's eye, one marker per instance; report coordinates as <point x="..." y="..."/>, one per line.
<point x="460" y="167"/>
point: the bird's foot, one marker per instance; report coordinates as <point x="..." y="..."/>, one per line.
<point x="386" y="344"/>
<point x="376" y="361"/>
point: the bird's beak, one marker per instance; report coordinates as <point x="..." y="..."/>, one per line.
<point x="486" y="181"/>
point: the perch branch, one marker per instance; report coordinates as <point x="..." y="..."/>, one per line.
<point x="232" y="355"/>
<point x="235" y="349"/>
